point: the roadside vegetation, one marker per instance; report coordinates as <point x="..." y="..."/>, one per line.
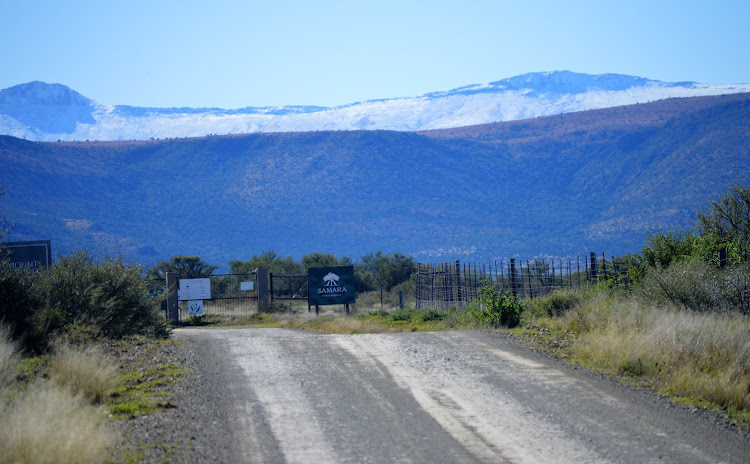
<point x="60" y="328"/>
<point x="681" y="327"/>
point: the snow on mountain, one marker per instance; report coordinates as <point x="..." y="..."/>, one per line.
<point x="48" y="112"/>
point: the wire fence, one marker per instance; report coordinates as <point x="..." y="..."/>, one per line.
<point x="457" y="285"/>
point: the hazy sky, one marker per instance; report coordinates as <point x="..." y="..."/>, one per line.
<point x="232" y="54"/>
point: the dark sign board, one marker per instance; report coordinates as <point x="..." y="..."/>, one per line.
<point x="331" y="285"/>
<point x="27" y="255"/>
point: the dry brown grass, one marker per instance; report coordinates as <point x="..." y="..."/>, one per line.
<point x="8" y="359"/>
<point x="83" y="371"/>
<point x="46" y="424"/>
<point x="705" y="356"/>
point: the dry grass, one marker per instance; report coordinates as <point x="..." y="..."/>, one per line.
<point x="46" y="424"/>
<point x="705" y="356"/>
<point x="8" y="360"/>
<point x="83" y="371"/>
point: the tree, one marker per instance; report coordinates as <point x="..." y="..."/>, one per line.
<point x="270" y="260"/>
<point x="386" y="271"/>
<point x="316" y="259"/>
<point x="187" y="267"/>
<point x="728" y="220"/>
<point x="275" y="264"/>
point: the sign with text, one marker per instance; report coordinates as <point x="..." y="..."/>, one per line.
<point x="194" y="289"/>
<point x="31" y="256"/>
<point x="331" y="285"/>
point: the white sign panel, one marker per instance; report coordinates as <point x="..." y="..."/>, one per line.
<point x="194" y="289"/>
<point x="195" y="307"/>
<point x="247" y="286"/>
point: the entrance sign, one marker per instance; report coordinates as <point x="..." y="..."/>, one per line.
<point x="32" y="256"/>
<point x="331" y="285"/>
<point x="194" y="289"/>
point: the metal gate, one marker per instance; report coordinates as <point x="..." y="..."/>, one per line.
<point x="232" y="295"/>
<point x="288" y="287"/>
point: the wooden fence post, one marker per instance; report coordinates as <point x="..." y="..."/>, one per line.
<point x="512" y="277"/>
<point x="173" y="308"/>
<point x="263" y="282"/>
<point x="593" y="276"/>
<point x="458" y="282"/>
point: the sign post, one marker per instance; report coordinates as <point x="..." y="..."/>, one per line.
<point x="330" y="286"/>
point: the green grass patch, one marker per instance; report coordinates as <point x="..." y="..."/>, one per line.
<point x="142" y="391"/>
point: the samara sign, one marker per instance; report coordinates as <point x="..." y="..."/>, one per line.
<point x="331" y="285"/>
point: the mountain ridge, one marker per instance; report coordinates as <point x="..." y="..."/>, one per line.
<point x="526" y="96"/>
<point x="553" y="186"/>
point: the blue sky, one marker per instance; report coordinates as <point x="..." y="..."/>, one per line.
<point x="232" y="54"/>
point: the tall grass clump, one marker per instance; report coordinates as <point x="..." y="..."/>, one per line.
<point x="9" y="358"/>
<point x="83" y="371"/>
<point x="46" y="424"/>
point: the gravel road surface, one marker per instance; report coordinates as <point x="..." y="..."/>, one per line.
<point x="273" y="395"/>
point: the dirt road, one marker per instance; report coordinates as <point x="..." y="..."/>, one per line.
<point x="300" y="397"/>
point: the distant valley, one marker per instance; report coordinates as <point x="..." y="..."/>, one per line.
<point x="550" y="186"/>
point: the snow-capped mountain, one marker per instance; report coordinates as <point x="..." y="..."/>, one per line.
<point x="48" y="112"/>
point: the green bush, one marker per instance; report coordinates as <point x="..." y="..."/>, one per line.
<point x="555" y="304"/>
<point x="78" y="295"/>
<point x="728" y="222"/>
<point x="699" y="286"/>
<point x="497" y="308"/>
<point x="662" y="248"/>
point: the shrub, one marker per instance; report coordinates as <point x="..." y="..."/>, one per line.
<point x="699" y="286"/>
<point x="662" y="249"/>
<point x="497" y="308"/>
<point x="20" y="299"/>
<point x="403" y="315"/>
<point x="111" y="299"/>
<point x="556" y="303"/>
<point x="727" y="220"/>
<point x="78" y="294"/>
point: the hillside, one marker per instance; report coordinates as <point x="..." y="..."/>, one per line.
<point x="559" y="185"/>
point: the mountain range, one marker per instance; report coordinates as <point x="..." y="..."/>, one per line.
<point x="53" y="112"/>
<point x="559" y="185"/>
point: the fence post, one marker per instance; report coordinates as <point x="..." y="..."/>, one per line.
<point x="723" y="258"/>
<point x="512" y="276"/>
<point x="263" y="282"/>
<point x="458" y="283"/>
<point x="594" y="276"/>
<point x="419" y="285"/>
<point x="172" y="282"/>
